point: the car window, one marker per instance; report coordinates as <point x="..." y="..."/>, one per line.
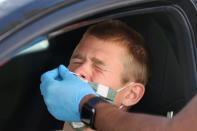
<point x="39" y="44"/>
<point x="20" y="93"/>
<point x="43" y="45"/>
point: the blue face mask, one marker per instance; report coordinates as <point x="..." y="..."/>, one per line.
<point x="105" y="91"/>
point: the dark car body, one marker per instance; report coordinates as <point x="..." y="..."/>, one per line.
<point x="169" y="28"/>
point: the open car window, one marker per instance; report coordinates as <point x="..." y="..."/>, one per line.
<point x="40" y="44"/>
<point x="169" y="37"/>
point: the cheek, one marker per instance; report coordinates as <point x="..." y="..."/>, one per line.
<point x="101" y="79"/>
<point x="108" y="80"/>
<point x="114" y="82"/>
<point x="97" y="78"/>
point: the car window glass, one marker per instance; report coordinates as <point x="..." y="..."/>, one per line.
<point x="37" y="45"/>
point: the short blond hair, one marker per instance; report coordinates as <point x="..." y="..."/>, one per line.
<point x="136" y="62"/>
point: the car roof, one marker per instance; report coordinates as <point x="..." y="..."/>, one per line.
<point x="14" y="13"/>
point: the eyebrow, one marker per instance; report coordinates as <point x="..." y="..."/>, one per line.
<point x="77" y="56"/>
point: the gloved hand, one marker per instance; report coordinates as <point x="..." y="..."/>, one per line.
<point x="62" y="96"/>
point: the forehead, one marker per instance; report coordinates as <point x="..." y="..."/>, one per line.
<point x="106" y="50"/>
<point x="93" y="43"/>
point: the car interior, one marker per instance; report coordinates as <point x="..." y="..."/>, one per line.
<point x="171" y="84"/>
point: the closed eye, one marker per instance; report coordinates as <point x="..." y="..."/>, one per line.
<point x="100" y="68"/>
<point x="99" y="65"/>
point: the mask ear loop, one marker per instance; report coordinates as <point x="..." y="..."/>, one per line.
<point x="122" y="107"/>
<point x="118" y="90"/>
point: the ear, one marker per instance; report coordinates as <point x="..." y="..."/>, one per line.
<point x="134" y="94"/>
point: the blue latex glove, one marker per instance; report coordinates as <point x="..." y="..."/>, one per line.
<point x="62" y="92"/>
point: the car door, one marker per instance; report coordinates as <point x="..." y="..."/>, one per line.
<point x="43" y="40"/>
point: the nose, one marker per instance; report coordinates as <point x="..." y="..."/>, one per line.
<point x="83" y="71"/>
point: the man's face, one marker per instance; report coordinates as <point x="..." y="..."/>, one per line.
<point x="99" y="61"/>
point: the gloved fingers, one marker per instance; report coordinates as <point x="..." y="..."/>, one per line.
<point x="46" y="79"/>
<point x="50" y="75"/>
<point x="43" y="88"/>
<point x="64" y="72"/>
